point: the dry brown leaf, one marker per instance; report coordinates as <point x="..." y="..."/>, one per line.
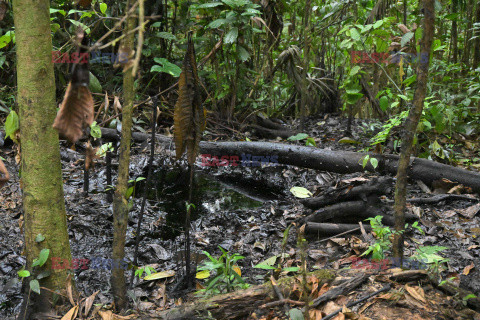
<point x="71" y="314"/>
<point x="189" y="115"/>
<point x="76" y="112"/>
<point x="403" y="28"/>
<point x="90" y="156"/>
<point x="116" y="105"/>
<point x="89" y="303"/>
<point x="471" y="211"/>
<point x="106" y="315"/>
<point x="416" y="292"/>
<point x="4" y="172"/>
<point x="70" y="290"/>
<point x="315" y="314"/>
<point x="106" y="104"/>
<point x="468" y="268"/>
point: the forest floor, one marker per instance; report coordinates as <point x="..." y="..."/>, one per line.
<point x="244" y="210"/>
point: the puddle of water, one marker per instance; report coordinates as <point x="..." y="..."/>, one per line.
<point x="210" y="196"/>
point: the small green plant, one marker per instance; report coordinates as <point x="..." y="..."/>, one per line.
<point x="366" y="159"/>
<point x="146" y="269"/>
<point x="429" y="256"/>
<point x="226" y="274"/>
<point x="309" y="141"/>
<point x="382" y="234"/>
<point x="37" y="262"/>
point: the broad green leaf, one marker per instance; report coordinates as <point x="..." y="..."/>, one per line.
<point x="406" y="38"/>
<point x="23" y="273"/>
<point x="39" y="238"/>
<point x="204" y="274"/>
<point x="167" y="67"/>
<point x="62" y="12"/>
<point x="300" y="192"/>
<point x="231" y="36"/>
<point x="354" y="71"/>
<point x="296" y="314"/>
<point x="79" y="24"/>
<point x="11" y="125"/>
<point x="291" y="269"/>
<point x="242" y="53"/>
<point x="94" y="85"/>
<point x="374" y="163"/>
<point x="297" y="137"/>
<point x="35" y="286"/>
<point x="103" y="7"/>
<point x="95" y="130"/>
<point x="208" y="5"/>
<point x="217" y="23"/>
<point x="377" y="24"/>
<point x="166" y="35"/>
<point x="160" y="275"/>
<point x="235" y="3"/>
<point x="352" y="98"/>
<point x="354" y="34"/>
<point x="42" y="258"/>
<point x="267" y="264"/>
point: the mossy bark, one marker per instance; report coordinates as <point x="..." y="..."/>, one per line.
<point x="120" y="203"/>
<point x="41" y="175"/>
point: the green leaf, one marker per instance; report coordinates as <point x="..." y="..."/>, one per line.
<point x="95" y="130"/>
<point x="166" y="35"/>
<point x="94" y="85"/>
<point x="35" y="286"/>
<point x="42" y="258"/>
<point x="160" y="275"/>
<point x="231" y="36"/>
<point x="291" y="269"/>
<point x="384" y="103"/>
<point x="352" y="98"/>
<point x="39" y="238"/>
<point x="406" y="38"/>
<point x="208" y="5"/>
<point x="267" y="264"/>
<point x="354" y="34"/>
<point x="167" y="67"/>
<point x="354" y="71"/>
<point x="217" y="23"/>
<point x="23" y="273"/>
<point x="11" y="125"/>
<point x="300" y="192"/>
<point x="103" y="8"/>
<point x="242" y="54"/>
<point x="377" y="24"/>
<point x="235" y="3"/>
<point x="297" y="137"/>
<point x="374" y="163"/>
<point x="204" y="274"/>
<point x="79" y="24"/>
<point x="296" y="314"/>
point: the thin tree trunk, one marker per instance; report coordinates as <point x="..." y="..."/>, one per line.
<point x="411" y="124"/>
<point x="454" y="41"/>
<point x="476" y="55"/>
<point x="468" y="33"/>
<point x="120" y="203"/>
<point x="43" y="199"/>
<point x="306" y="62"/>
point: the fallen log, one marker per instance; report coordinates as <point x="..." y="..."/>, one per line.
<point x="378" y="186"/>
<point x="328" y="160"/>
<point x="239" y="304"/>
<point x="327" y="229"/>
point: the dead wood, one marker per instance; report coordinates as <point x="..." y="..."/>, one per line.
<point x="326" y="229"/>
<point x="378" y="186"/>
<point x="271" y="133"/>
<point x="328" y="160"/>
<point x="239" y="304"/>
<point x="441" y="197"/>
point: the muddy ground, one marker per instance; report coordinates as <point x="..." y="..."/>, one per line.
<point x="244" y="210"/>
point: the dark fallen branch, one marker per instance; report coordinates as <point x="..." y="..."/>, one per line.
<point x="441" y="197"/>
<point x="343" y="289"/>
<point x="378" y="186"/>
<point x="267" y="123"/>
<point x="355" y="210"/>
<point x="271" y="133"/>
<point x="337" y="229"/>
<point x="328" y="160"/>
<point x="239" y="304"/>
<point x="354" y="303"/>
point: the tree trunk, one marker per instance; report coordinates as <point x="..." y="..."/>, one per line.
<point x="43" y="199"/>
<point x="468" y="33"/>
<point x="411" y="124"/>
<point x="120" y="203"/>
<point x="476" y="55"/>
<point x="306" y="62"/>
<point x="454" y="32"/>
